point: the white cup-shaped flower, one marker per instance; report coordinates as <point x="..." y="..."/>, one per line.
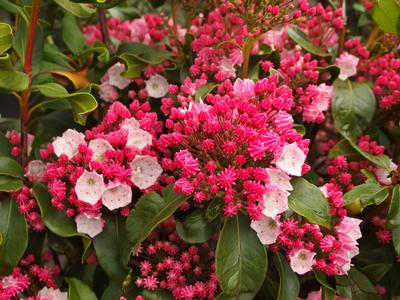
<point x="279" y="179"/>
<point x="301" y="260"/>
<point x="47" y="293"/>
<point x="291" y="160"/>
<point x="115" y="78"/>
<point x="145" y="171"/>
<point x="89" y="223"/>
<point x="139" y="138"/>
<point x="68" y="143"/>
<point x="117" y="195"/>
<point x="35" y="170"/>
<point x="267" y="230"/>
<point x="89" y="187"/>
<point x="157" y="86"/>
<point x="99" y="148"/>
<point x="275" y="202"/>
<point x="130" y="124"/>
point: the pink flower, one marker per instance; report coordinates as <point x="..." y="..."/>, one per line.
<point x="226" y="69"/>
<point x="51" y="294"/>
<point x="275" y="202"/>
<point x="117" y="195"/>
<point x="99" y="148"/>
<point x="267" y="230"/>
<point x="89" y="223"/>
<point x="157" y="86"/>
<point x="291" y="160"/>
<point x="279" y="179"/>
<point x="139" y="138"/>
<point x="145" y="171"/>
<point x="301" y="260"/>
<point x="115" y="78"/>
<point x="347" y="64"/>
<point x="107" y="92"/>
<point x="314" y="295"/>
<point x="130" y="124"/>
<point x="89" y="187"/>
<point x="68" y="143"/>
<point x="244" y="89"/>
<point x="35" y="170"/>
<point x="383" y="175"/>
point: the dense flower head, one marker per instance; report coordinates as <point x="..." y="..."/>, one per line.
<point x="224" y="145"/>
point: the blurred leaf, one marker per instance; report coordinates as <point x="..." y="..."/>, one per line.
<point x="368" y="193"/>
<point x="300" y="129"/>
<point x="72" y="35"/>
<point x="103" y="4"/>
<point x="14" y="235"/>
<point x="241" y="260"/>
<point x="13" y="81"/>
<point x="361" y="287"/>
<point x="15" y="9"/>
<point x="289" y="285"/>
<point x="77" y="9"/>
<point x="103" y="54"/>
<point x="196" y="228"/>
<point x="149" y="211"/>
<point x="308" y="201"/>
<point x="204" y="90"/>
<point x="5" y="146"/>
<point x="386" y="14"/>
<point x="321" y="278"/>
<point x="6" y="37"/>
<point x="396" y="239"/>
<point x="393" y="217"/>
<point x="10" y="184"/>
<point x="353" y="107"/>
<point x="297" y="35"/>
<point x="78" y="290"/>
<point x="342" y="148"/>
<point x="10" y="167"/>
<point x="51" y="53"/>
<point x="376" y="271"/>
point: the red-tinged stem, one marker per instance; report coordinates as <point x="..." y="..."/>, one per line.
<point x="104" y="30"/>
<point x="25" y="95"/>
<point x="372" y="36"/>
<point x="343" y="32"/>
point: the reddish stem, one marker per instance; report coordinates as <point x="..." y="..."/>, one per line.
<point x="104" y="30"/>
<point x="343" y="32"/>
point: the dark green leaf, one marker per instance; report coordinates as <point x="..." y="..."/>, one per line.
<point x="393" y="217"/>
<point x="15" y="9"/>
<point x="204" y="90"/>
<point x="342" y="148"/>
<point x="396" y="239"/>
<point x="78" y="290"/>
<point x="361" y="287"/>
<point x="77" y="9"/>
<point x="5" y="146"/>
<point x="241" y="260"/>
<point x="321" y="278"/>
<point x="386" y="14"/>
<point x="214" y="209"/>
<point x="13" y="235"/>
<point x="308" y="201"/>
<point x="368" y="193"/>
<point x="71" y="34"/>
<point x="297" y="35"/>
<point x="10" y="167"/>
<point x="6" y="37"/>
<point x="289" y="285"/>
<point x="196" y="228"/>
<point x="353" y="107"/>
<point x="103" y="54"/>
<point x="376" y="271"/>
<point x="10" y="184"/>
<point x="149" y="211"/>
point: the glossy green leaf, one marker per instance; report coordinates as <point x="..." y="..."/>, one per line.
<point x="386" y="14"/>
<point x="396" y="239"/>
<point x="134" y="66"/>
<point x="113" y="249"/>
<point x="10" y="184"/>
<point x="204" y="90"/>
<point x="78" y="290"/>
<point x="214" y="209"/>
<point x="196" y="228"/>
<point x="14" y="235"/>
<point x="308" y="201"/>
<point x="241" y="260"/>
<point x="368" y="193"/>
<point x="297" y="35"/>
<point x="6" y="37"/>
<point x="342" y="148"/>
<point x="103" y="55"/>
<point x="321" y="278"/>
<point x="10" y="167"/>
<point x="13" y="81"/>
<point x="289" y="285"/>
<point x="5" y="146"/>
<point x="71" y="34"/>
<point x="300" y="129"/>
<point x="77" y="9"/>
<point x="149" y="211"/>
<point x="393" y="217"/>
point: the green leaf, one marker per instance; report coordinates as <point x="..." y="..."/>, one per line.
<point x="361" y="287"/>
<point x="113" y="249"/>
<point x="396" y="239"/>
<point x="204" y="90"/>
<point x="78" y="290"/>
<point x="71" y="34"/>
<point x="15" y="9"/>
<point x="10" y="167"/>
<point x="300" y="129"/>
<point x="241" y="260"/>
<point x="6" y="37"/>
<point x="77" y="9"/>
<point x="342" y="148"/>
<point x="103" y="54"/>
<point x="14" y="235"/>
<point x="386" y="14"/>
<point x="214" y="209"/>
<point x="353" y="107"/>
<point x="382" y="161"/>
<point x="196" y="228"/>
<point x="393" y="217"/>
<point x="308" y="201"/>
<point x="5" y="146"/>
<point x="376" y="271"/>
<point x="149" y="211"/>
<point x="297" y="35"/>
<point x="321" y="278"/>
<point x="289" y="285"/>
<point x="103" y="4"/>
<point x="10" y="184"/>
<point x="13" y="81"/>
<point x="82" y="103"/>
<point x="134" y="67"/>
<point x="368" y="193"/>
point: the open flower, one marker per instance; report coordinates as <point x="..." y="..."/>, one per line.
<point x="157" y="86"/>
<point x="68" y="143"/>
<point x="99" y="148"/>
<point x="347" y="64"/>
<point x="301" y="260"/>
<point x="291" y="160"/>
<point x="267" y="230"/>
<point x="117" y="195"/>
<point x="145" y="171"/>
<point x="89" y="187"/>
<point x="89" y="223"/>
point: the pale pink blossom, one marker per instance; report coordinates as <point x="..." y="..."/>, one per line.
<point x="279" y="179"/>
<point x="275" y="202"/>
<point x="301" y="260"/>
<point x="157" y="86"/>
<point x="89" y="187"/>
<point x="145" y="171"/>
<point x="89" y="223"/>
<point x="347" y="64"/>
<point x="68" y="143"/>
<point x="383" y="175"/>
<point x="244" y="89"/>
<point x="115" y="78"/>
<point x="99" y="148"/>
<point x="139" y="139"/>
<point x="35" y="170"/>
<point x="47" y="293"/>
<point x="267" y="230"/>
<point x="117" y="195"/>
<point x="140" y="31"/>
<point x="275" y="39"/>
<point x="107" y="92"/>
<point x="130" y="124"/>
<point x="291" y="160"/>
<point x="314" y="295"/>
<point x="226" y="69"/>
<point x="323" y="96"/>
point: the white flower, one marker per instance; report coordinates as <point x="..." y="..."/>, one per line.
<point x="267" y="230"/>
<point x="275" y="202"/>
<point x="35" y="170"/>
<point x="89" y="187"/>
<point x="383" y="175"/>
<point x="115" y="78"/>
<point x="280" y="179"/>
<point x="51" y="294"/>
<point x="301" y="260"/>
<point x="117" y="195"/>
<point x="89" y="223"/>
<point x="99" y="148"/>
<point x="107" y="92"/>
<point x="145" y="171"/>
<point x="291" y="160"/>
<point x="130" y="124"/>
<point x="157" y="86"/>
<point x="139" y="138"/>
<point x="68" y="143"/>
<point x="347" y="64"/>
